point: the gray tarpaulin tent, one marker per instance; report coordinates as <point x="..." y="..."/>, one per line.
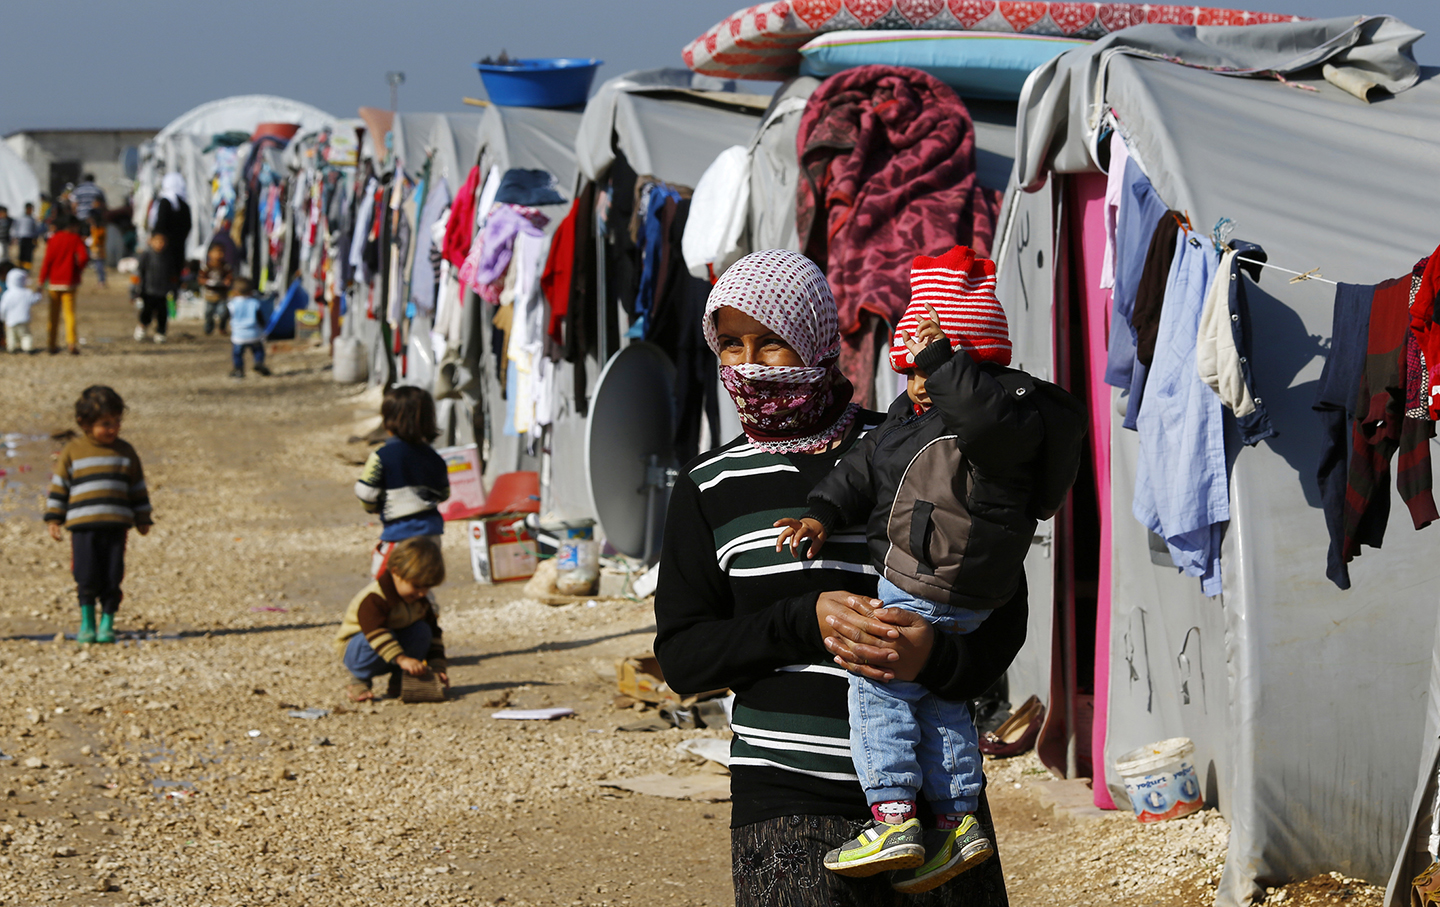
<point x="1305" y="703"/>
<point x="669" y="124"/>
<point x="507" y="137"/>
<point x="454" y="138"/>
<point x="180" y="147"/>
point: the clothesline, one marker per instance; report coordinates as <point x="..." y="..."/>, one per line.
<point x="1300" y="276"/>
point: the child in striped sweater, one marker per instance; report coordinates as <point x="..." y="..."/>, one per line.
<point x="98" y="493"/>
<point x="391" y="626"/>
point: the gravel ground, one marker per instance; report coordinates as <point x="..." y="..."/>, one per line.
<point x="167" y="770"/>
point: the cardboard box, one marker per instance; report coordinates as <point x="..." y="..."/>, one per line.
<point x="467" y="490"/>
<point x="501" y="549"/>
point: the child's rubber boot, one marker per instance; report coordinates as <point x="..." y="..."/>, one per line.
<point x="106" y="632"/>
<point x="87" y="625"/>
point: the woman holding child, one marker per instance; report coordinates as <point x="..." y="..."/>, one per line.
<point x="732" y="611"/>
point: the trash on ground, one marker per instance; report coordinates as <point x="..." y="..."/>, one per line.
<point x="709" y="748"/>
<point x="252" y="733"/>
<point x="705" y="788"/>
<point x="533" y="714"/>
<point x="272" y="608"/>
<point x="308" y="714"/>
<point x="1160" y="780"/>
<point x="653" y="723"/>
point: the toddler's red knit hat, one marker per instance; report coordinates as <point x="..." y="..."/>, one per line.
<point x="961" y="287"/>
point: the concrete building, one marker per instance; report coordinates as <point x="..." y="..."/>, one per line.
<point x="60" y="156"/>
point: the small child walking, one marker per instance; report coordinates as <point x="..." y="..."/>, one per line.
<point x="98" y="493"/>
<point x="60" y="272"/>
<point x="246" y="331"/>
<point x="392" y="625"/>
<point x="15" y="305"/>
<point x="151" y="288"/>
<point x="216" y="278"/>
<point x="405" y="480"/>
<point x="945" y="484"/>
<point x="26" y="231"/>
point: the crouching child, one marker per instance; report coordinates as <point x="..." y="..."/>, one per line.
<point x="392" y="626"/>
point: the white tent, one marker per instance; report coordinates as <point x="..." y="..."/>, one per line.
<point x="1306" y="703"/>
<point x="18" y="184"/>
<point x="180" y="148"/>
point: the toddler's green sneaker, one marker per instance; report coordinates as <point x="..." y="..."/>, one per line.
<point x="878" y="848"/>
<point x="948" y="852"/>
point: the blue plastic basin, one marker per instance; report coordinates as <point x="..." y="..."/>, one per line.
<point x="549" y="82"/>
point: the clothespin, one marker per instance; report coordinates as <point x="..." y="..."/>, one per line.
<point x="1301" y="278"/>
<point x="1220" y="234"/>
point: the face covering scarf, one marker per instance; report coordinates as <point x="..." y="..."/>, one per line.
<point x="785" y="409"/>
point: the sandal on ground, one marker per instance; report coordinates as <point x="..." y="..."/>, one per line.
<point x="359" y="691"/>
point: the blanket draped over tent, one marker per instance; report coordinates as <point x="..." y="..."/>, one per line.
<point x="887" y="160"/>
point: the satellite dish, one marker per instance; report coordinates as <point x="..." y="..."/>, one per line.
<point x="630" y="447"/>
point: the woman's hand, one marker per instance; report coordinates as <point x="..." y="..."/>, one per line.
<point x="879" y="643"/>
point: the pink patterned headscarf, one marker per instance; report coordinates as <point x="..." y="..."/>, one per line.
<point x="785" y="409"/>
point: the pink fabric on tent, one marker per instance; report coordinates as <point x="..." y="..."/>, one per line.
<point x="1088" y="195"/>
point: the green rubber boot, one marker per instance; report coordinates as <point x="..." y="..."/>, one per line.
<point x="106" y="633"/>
<point x="87" y="625"/>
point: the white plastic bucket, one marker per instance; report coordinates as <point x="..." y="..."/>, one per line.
<point x="1160" y="780"/>
<point x="349" y="359"/>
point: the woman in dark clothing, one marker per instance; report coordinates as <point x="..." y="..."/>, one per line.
<point x="172" y="219"/>
<point x="732" y="612"/>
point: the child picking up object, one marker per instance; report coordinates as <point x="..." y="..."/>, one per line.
<point x="405" y="480"/>
<point x="945" y="484"/>
<point x="151" y="287"/>
<point x="392" y="625"/>
<point x="15" y="305"/>
<point x="215" y="281"/>
<point x="98" y="493"/>
<point x="246" y="331"/>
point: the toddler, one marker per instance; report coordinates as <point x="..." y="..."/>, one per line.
<point x="392" y="624"/>
<point x="215" y="281"/>
<point x="150" y="288"/>
<point x="405" y="480"/>
<point x="246" y="330"/>
<point x="98" y="493"/>
<point x="15" y="305"/>
<point x="945" y="483"/>
<point x="26" y="232"/>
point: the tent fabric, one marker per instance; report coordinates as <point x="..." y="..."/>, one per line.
<point x="763" y="41"/>
<point x="18" y="183"/>
<point x="533" y="138"/>
<point x="180" y="148"/>
<point x="455" y="138"/>
<point x="1067" y="92"/>
<point x="1276" y="682"/>
<point x="662" y="133"/>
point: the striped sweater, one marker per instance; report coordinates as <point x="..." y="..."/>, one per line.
<point x="377" y="609"/>
<point x="95" y="486"/>
<point x="730" y="611"/>
<point x="405" y="484"/>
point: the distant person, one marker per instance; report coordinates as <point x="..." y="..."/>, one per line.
<point x="26" y="231"/>
<point x="151" y="287"/>
<point x="170" y="215"/>
<point x="392" y="625"/>
<point x="60" y="272"/>
<point x="215" y="281"/>
<point x="15" y="305"/>
<point x="7" y="224"/>
<point x="405" y="480"/>
<point x="99" y="233"/>
<point x="246" y="331"/>
<point x="87" y="199"/>
<point x="98" y="493"/>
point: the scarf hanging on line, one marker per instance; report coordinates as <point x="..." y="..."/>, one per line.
<point x="785" y="409"/>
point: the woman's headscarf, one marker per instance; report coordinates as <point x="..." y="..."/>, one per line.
<point x="172" y="189"/>
<point x="785" y="409"/>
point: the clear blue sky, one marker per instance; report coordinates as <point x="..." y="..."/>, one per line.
<point x="140" y="63"/>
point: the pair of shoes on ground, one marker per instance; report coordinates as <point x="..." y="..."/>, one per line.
<point x="919" y="859"/>
<point x="358" y="690"/>
<point x="140" y="336"/>
<point x="103" y="633"/>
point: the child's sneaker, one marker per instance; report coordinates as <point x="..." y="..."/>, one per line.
<point x="878" y="848"/>
<point x="139" y="333"/>
<point x="263" y="370"/>
<point x="237" y="374"/>
<point x="948" y="852"/>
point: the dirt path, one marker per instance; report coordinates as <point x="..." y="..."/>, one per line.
<point x="167" y="769"/>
